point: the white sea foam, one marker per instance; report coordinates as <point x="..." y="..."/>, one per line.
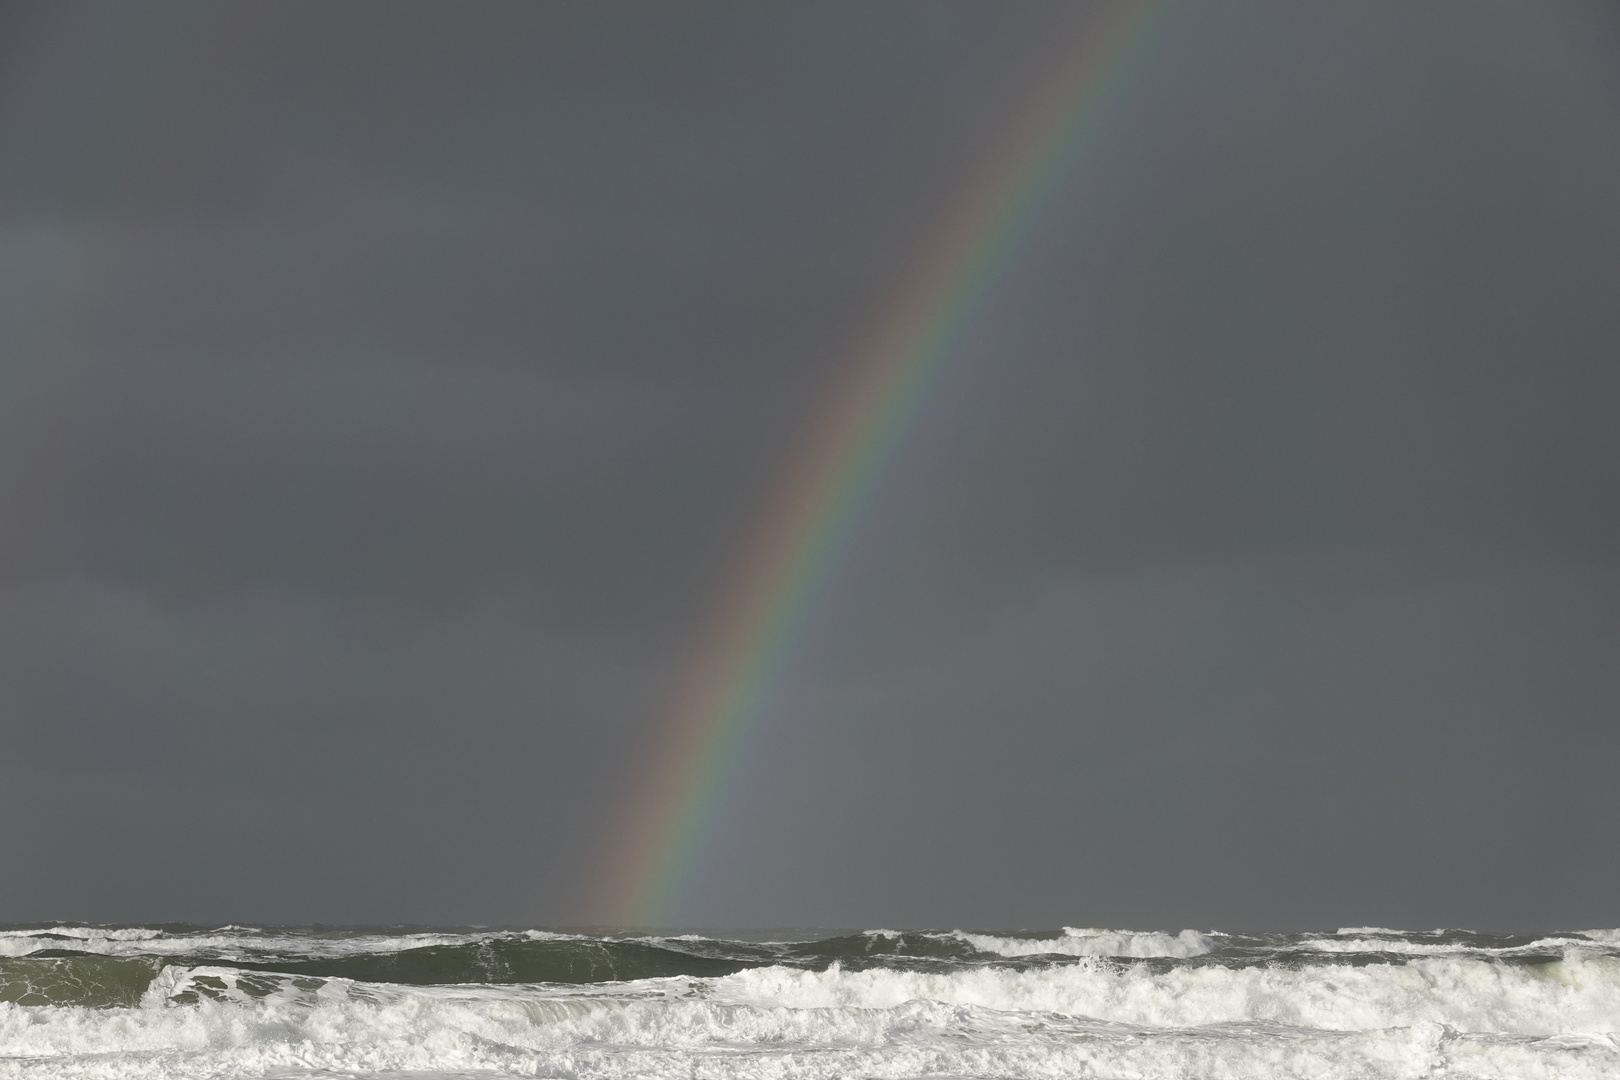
<point x="1396" y="946"/>
<point x="229" y="941"/>
<point x="111" y="940"/>
<point x="1433" y="1008"/>
<point x="1580" y="994"/>
<point x="1453" y="1016"/>
<point x="1077" y="942"/>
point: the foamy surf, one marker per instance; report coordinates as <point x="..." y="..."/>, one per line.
<point x="1073" y="942"/>
<point x="251" y="1002"/>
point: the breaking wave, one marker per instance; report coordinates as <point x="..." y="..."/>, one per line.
<point x="79" y="1002"/>
<point x="1074" y="942"/>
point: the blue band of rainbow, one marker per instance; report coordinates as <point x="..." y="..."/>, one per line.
<point x="814" y="507"/>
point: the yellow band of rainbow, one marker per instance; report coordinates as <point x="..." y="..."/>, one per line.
<point x="697" y="742"/>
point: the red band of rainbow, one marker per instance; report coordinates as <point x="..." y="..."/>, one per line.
<point x="811" y="511"/>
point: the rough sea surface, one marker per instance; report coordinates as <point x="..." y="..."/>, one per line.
<point x="188" y="1001"/>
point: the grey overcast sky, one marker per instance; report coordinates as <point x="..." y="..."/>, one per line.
<point x="386" y="388"/>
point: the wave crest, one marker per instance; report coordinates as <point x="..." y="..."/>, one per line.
<point x="1077" y="942"/>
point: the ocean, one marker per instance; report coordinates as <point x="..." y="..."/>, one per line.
<point x="257" y="1001"/>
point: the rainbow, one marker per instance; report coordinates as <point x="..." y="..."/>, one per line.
<point x="812" y="510"/>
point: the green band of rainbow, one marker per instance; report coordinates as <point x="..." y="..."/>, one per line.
<point x="850" y="440"/>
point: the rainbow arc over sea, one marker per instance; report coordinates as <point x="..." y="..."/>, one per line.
<point x="792" y="550"/>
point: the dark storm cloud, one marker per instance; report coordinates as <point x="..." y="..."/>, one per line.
<point x="1327" y="740"/>
<point x="386" y="428"/>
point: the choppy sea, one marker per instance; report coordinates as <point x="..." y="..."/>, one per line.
<point x="247" y="1001"/>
